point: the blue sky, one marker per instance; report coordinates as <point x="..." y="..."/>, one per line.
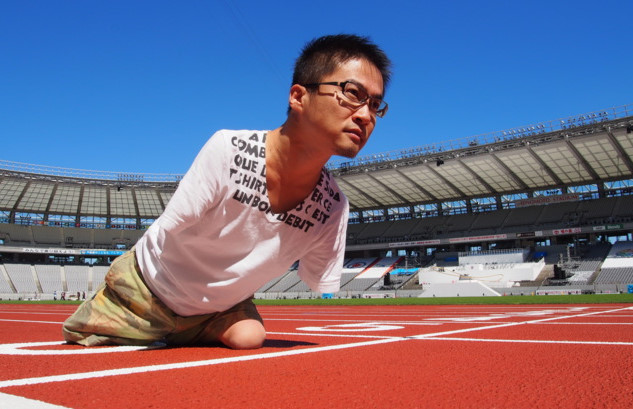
<point x="139" y="86"/>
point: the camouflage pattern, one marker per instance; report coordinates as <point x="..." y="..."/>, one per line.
<point x="123" y="311"/>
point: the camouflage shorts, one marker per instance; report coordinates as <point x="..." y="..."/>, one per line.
<point x="123" y="311"/>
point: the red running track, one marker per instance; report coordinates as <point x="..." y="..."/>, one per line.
<point x="544" y="356"/>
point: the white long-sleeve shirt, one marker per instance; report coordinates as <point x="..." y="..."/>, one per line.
<point x="217" y="242"/>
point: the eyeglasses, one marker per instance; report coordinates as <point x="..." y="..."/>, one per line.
<point x="357" y="96"/>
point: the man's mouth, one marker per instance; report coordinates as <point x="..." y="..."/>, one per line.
<point x="357" y="134"/>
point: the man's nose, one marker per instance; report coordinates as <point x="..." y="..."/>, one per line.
<point x="363" y="115"/>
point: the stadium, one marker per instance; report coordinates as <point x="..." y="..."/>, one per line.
<point x="545" y="208"/>
<point x="540" y="209"/>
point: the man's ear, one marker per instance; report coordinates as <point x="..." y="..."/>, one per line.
<point x="296" y="99"/>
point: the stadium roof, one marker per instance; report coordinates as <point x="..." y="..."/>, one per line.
<point x="585" y="149"/>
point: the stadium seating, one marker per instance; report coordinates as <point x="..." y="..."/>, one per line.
<point x="77" y="278"/>
<point x="5" y="282"/>
<point x="23" y="278"/>
<point x="48" y="220"/>
<point x="50" y="277"/>
<point x="359" y="275"/>
<point x="98" y="276"/>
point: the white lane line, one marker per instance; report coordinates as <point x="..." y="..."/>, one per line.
<point x="586" y="314"/>
<point x="18" y="402"/>
<point x="325" y="334"/>
<point x="433" y="338"/>
<point x="34" y="322"/>
<point x="361" y="321"/>
<point x="35" y="312"/>
<point x="583" y="323"/>
<point x="440" y="335"/>
<point x="182" y="365"/>
<point x="23" y="349"/>
<point x="513" y="324"/>
<point x="533" y="341"/>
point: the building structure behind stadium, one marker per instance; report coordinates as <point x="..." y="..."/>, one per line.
<point x="544" y="208"/>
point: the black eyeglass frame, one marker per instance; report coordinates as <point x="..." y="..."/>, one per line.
<point x="383" y="107"/>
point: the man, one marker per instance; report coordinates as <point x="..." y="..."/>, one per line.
<point x="252" y="204"/>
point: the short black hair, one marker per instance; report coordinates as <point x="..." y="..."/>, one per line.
<point x="323" y="55"/>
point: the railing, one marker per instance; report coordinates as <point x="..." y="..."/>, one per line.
<point x="461" y="143"/>
<point x="124" y="177"/>
<point x="488" y="138"/>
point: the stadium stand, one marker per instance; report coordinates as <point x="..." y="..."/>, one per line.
<point x="618" y="265"/>
<point x="550" y="192"/>
<point x="290" y="279"/>
<point x="50" y="277"/>
<point x="22" y="277"/>
<point x="77" y="278"/>
<point x="5" y="282"/>
<point x="98" y="276"/>
<point x="488" y="222"/>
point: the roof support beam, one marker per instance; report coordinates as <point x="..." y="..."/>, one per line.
<point x="446" y="181"/>
<point x="621" y="153"/>
<point x="402" y="200"/>
<point x="479" y="179"/>
<point x="582" y="161"/>
<point x="359" y="191"/>
<point x="545" y="166"/>
<point x="417" y="185"/>
<point x="510" y="173"/>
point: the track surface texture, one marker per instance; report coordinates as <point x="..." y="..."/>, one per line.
<point x="501" y="356"/>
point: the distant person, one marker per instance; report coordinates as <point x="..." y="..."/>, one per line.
<point x="252" y="204"/>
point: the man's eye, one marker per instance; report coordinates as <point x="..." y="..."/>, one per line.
<point x="375" y="104"/>
<point x="354" y="93"/>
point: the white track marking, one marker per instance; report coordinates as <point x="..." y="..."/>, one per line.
<point x="503" y="315"/>
<point x="533" y="341"/>
<point x="18" y="402"/>
<point x="303" y="334"/>
<point x="563" y="317"/>
<point x="513" y="324"/>
<point x="273" y="319"/>
<point x="34" y="322"/>
<point x="362" y="326"/>
<point x="359" y="321"/>
<point x="184" y="365"/>
<point x="584" y="323"/>
<point x="33" y="312"/>
<point x="19" y="349"/>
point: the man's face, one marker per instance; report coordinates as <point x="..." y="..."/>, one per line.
<point x="340" y="125"/>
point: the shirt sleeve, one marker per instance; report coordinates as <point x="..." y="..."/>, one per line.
<point x="200" y="187"/>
